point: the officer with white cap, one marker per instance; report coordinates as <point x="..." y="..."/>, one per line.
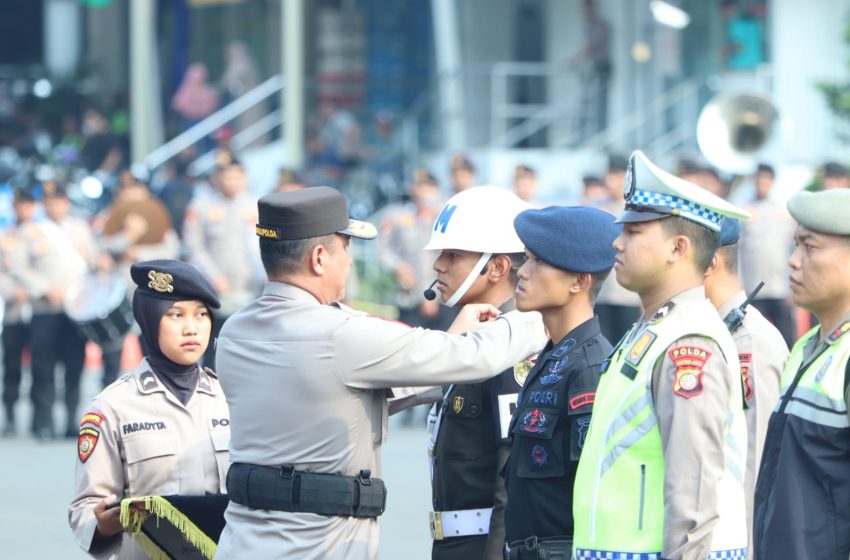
<point x="761" y="350"/>
<point x="479" y="254"/>
<point x="662" y="471"/>
<point x="802" y="503"/>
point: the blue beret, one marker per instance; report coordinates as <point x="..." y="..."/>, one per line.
<point x="572" y="238"/>
<point x="730" y="231"/>
<point x="173" y="280"/>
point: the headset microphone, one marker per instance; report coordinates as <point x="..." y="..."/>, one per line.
<point x="430" y="294"/>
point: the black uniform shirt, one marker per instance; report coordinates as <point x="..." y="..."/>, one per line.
<point x="548" y="429"/>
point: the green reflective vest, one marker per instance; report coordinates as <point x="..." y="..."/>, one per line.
<point x="619" y="490"/>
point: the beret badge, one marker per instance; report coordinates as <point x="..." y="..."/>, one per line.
<point x="161" y="282"/>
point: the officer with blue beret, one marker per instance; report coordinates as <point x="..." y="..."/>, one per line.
<point x="164" y="429"/>
<point x="663" y="467"/>
<point x="569" y="255"/>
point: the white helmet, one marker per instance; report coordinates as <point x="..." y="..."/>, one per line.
<point x="480" y="219"/>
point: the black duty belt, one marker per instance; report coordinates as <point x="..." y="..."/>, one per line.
<point x="285" y="489"/>
<point x="532" y="548"/>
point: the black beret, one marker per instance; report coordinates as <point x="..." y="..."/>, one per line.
<point x="24" y="194"/>
<point x="52" y="189"/>
<point x="307" y="213"/>
<point x="572" y="238"/>
<point x="173" y="280"/>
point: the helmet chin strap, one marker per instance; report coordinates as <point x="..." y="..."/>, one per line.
<point x="470" y="278"/>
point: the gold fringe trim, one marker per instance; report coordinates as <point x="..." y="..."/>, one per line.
<point x="161" y="508"/>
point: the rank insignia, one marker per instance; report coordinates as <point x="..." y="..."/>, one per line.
<point x="86" y="442"/>
<point x="689" y="361"/>
<point x="457" y="404"/>
<point x="539" y="457"/>
<point x="663" y="311"/>
<point x="839" y="331"/>
<point x="91" y="418"/>
<point x="521" y="370"/>
<point x="639" y="348"/>
<point x="555" y="367"/>
<point x="161" y="282"/>
<point x="534" y="421"/>
<point x="746" y="360"/>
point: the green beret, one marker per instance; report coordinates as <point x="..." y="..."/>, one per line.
<point x="822" y="211"/>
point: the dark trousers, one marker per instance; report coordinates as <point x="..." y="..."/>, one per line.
<point x="55" y="339"/>
<point x="460" y="548"/>
<point x="781" y="314"/>
<point x="110" y="357"/>
<point x="15" y="338"/>
<point x="616" y="320"/>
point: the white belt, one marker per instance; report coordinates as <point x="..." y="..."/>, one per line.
<point x="459" y="523"/>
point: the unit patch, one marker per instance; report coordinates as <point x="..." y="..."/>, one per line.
<point x="558" y="366"/>
<point x="581" y="400"/>
<point x="91" y="418"/>
<point x="583" y="424"/>
<point x="457" y="404"/>
<point x="639" y="348"/>
<point x="746" y="361"/>
<point x="539" y="457"/>
<point x="534" y="421"/>
<point x="86" y="442"/>
<point x="564" y="347"/>
<point x="689" y="361"/>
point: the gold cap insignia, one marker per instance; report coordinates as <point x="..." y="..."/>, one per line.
<point x="160" y="281"/>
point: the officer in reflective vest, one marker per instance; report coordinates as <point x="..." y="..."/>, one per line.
<point x="662" y="471"/>
<point x="477" y="255"/>
<point x="802" y="503"/>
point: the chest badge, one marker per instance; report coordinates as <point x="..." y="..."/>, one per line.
<point x="522" y="369"/>
<point x="639" y="348"/>
<point x="457" y="404"/>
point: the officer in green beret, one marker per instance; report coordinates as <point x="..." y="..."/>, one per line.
<point x="802" y="502"/>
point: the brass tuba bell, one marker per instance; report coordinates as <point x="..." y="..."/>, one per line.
<point x="733" y="130"/>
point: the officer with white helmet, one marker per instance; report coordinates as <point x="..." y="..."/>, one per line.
<point x="479" y="256"/>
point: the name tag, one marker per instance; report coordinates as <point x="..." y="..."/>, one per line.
<point x="507" y="407"/>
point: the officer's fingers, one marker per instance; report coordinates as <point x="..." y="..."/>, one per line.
<point x="487" y="313"/>
<point x="101" y="505"/>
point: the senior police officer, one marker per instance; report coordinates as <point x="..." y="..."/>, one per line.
<point x="161" y="430"/>
<point x="761" y="351"/>
<point x="569" y="257"/>
<point x="662" y="470"/>
<point x="307" y="381"/>
<point x="479" y="255"/>
<point x="802" y="505"/>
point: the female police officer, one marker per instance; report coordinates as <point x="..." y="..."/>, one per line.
<point x="164" y="429"/>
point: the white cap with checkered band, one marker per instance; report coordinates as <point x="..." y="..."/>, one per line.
<point x="652" y="194"/>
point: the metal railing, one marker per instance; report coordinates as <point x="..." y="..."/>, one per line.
<point x="229" y="112"/>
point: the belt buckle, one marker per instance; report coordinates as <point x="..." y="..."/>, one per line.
<point x="435" y="524"/>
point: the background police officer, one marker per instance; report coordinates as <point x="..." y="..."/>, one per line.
<point x="307" y="381"/>
<point x="479" y="255"/>
<point x="802" y="505"/>
<point x="761" y="351"/>
<point x="569" y="256"/>
<point x="662" y="470"/>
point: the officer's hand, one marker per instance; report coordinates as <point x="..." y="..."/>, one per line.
<point x="471" y="316"/>
<point x="405" y="276"/>
<point x="108" y="520"/>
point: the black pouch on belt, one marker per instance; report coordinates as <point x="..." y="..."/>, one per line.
<point x="285" y="489"/>
<point x="532" y="548"/>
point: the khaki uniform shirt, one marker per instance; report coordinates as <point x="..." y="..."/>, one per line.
<point x="767" y="241"/>
<point x="762" y="354"/>
<point x="692" y="437"/>
<point x="48" y="255"/>
<point x="138" y="439"/>
<point x="220" y="238"/>
<point x="307" y="385"/>
<point x="14" y="312"/>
